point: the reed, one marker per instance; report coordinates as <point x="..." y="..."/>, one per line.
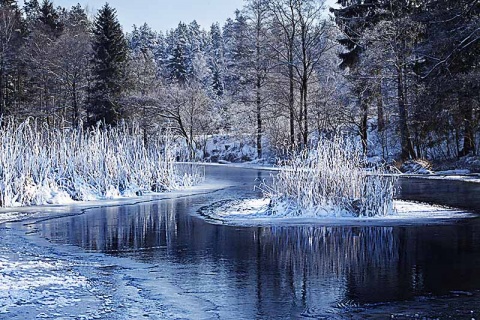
<point x="330" y="180"/>
<point x="40" y="164"/>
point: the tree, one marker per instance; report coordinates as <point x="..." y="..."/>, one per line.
<point x="108" y="68"/>
<point x="32" y="9"/>
<point x="187" y="109"/>
<point x="49" y="17"/>
<point x="286" y="22"/>
<point x="449" y="68"/>
<point x="179" y="62"/>
<point x="216" y="59"/>
<point x="11" y="40"/>
<point x="260" y="66"/>
<point x="386" y="25"/>
<point x="237" y="53"/>
<point x="313" y="43"/>
<point x="72" y="51"/>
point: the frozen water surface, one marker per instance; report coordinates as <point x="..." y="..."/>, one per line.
<point x="160" y="259"/>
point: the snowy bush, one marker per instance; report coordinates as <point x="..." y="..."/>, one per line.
<point x="417" y="166"/>
<point x="330" y="180"/>
<point x="40" y="164"/>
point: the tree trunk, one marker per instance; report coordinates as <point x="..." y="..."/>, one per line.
<point x="259" y="118"/>
<point x="3" y="93"/>
<point x="76" y="112"/>
<point x="406" y="143"/>
<point x="300" y="118"/>
<point x="258" y="88"/>
<point x="364" y="124"/>
<point x="468" y="131"/>
<point x="291" y="97"/>
<point x="305" y="112"/>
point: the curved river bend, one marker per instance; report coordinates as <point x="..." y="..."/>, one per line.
<point x="219" y="271"/>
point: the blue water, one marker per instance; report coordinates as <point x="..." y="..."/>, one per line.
<point x="340" y="272"/>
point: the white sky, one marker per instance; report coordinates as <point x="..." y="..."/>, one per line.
<point x="162" y="15"/>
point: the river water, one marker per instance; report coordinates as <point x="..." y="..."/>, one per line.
<point x="315" y="271"/>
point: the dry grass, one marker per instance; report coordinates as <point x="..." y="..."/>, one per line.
<point x="330" y="180"/>
<point x="37" y="161"/>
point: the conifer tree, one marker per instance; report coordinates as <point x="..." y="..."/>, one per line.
<point x="49" y="16"/>
<point x="216" y="63"/>
<point x="11" y="40"/>
<point x="178" y="63"/>
<point x="110" y="55"/>
<point x="32" y="9"/>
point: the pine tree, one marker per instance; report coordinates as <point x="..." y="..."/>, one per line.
<point x="78" y="19"/>
<point x="142" y="38"/>
<point x="237" y="53"/>
<point x="49" y="16"/>
<point x="32" y="9"/>
<point x="110" y="54"/>
<point x="450" y="69"/>
<point x="216" y="61"/>
<point x="179" y="64"/>
<point x="389" y="22"/>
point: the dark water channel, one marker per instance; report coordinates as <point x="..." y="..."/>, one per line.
<point x="402" y="271"/>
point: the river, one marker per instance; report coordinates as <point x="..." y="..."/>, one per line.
<point x="184" y="267"/>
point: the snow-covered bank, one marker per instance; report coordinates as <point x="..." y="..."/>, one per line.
<point x="35" y="213"/>
<point x="39" y="280"/>
<point x="257" y="212"/>
<point x="472" y="178"/>
<point x="44" y="165"/>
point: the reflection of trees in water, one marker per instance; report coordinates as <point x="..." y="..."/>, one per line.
<point x="119" y="228"/>
<point x="332" y="250"/>
<point x="329" y="263"/>
<point x="306" y="266"/>
<point x="376" y="263"/>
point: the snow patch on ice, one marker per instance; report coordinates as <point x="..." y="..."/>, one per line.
<point x="451" y="177"/>
<point x="453" y="172"/>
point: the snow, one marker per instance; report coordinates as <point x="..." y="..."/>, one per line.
<point x="38" y="280"/>
<point x="41" y="280"/>
<point x="78" y="207"/>
<point x="453" y="172"/>
<point x="43" y="165"/>
<point x="254" y="212"/>
<point x="473" y="178"/>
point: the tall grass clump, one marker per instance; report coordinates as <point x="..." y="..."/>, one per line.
<point x="330" y="180"/>
<point x="40" y="164"/>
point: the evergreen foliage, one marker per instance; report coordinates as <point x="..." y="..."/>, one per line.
<point x="110" y="55"/>
<point x="270" y="73"/>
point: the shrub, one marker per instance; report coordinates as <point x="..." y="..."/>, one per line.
<point x="330" y="180"/>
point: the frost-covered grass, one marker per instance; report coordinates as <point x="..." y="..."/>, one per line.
<point x="40" y="164"/>
<point x="330" y="180"/>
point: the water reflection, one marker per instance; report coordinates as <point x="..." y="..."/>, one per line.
<point x="280" y="271"/>
<point x="456" y="194"/>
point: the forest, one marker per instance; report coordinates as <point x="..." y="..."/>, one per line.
<point x="400" y="76"/>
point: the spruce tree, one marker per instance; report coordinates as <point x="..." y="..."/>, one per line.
<point x="110" y="55"/>
<point x="216" y="62"/>
<point x="49" y="16"/>
<point x="179" y="64"/>
<point x="32" y="9"/>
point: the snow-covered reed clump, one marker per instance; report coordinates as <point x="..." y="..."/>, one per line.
<point x="40" y="164"/>
<point x="330" y="181"/>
